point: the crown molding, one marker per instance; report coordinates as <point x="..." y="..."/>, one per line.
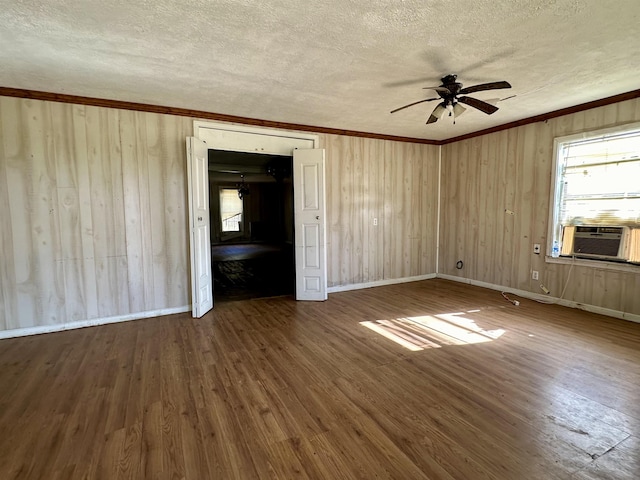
<point x="184" y="112"/>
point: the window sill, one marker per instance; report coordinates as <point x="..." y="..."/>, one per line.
<point x="598" y="264"/>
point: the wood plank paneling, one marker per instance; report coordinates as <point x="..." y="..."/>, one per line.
<point x="176" y="214"/>
<point x="85" y="258"/>
<point x="8" y="305"/>
<point x="511" y="169"/>
<point x="34" y="287"/>
<point x="135" y="194"/>
<point x="96" y="215"/>
<point x="393" y="182"/>
<point x="77" y="231"/>
<point x="96" y="224"/>
<point x="410" y="209"/>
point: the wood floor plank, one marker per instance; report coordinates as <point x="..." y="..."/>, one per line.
<point x="278" y="389"/>
<point x="151" y="441"/>
<point x="621" y="461"/>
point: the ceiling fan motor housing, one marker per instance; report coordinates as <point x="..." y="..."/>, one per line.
<point x="449" y="82"/>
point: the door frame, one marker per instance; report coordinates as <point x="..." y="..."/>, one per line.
<point x="241" y="138"/>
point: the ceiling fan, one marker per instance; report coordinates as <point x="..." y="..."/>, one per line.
<point x="449" y="93"/>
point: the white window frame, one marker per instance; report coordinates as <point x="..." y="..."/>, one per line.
<point x="554" y="232"/>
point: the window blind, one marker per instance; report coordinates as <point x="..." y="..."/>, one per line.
<point x="600" y="180"/>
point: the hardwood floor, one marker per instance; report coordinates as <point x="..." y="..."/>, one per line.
<point x="247" y="271"/>
<point x="277" y="389"/>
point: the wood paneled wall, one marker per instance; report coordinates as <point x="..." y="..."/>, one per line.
<point x="94" y="224"/>
<point x="511" y="170"/>
<point x="94" y="213"/>
<point x="395" y="182"/>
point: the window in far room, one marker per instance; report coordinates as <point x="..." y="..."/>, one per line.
<point x="230" y="210"/>
<point x="596" y="207"/>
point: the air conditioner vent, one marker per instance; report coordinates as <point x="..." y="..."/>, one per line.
<point x="602" y="241"/>
<point x="595" y="242"/>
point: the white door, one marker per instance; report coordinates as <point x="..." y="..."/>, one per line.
<point x="199" y="226"/>
<point x="309" y="224"/>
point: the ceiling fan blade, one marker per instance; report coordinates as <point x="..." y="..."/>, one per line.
<point x="479" y="104"/>
<point x="494" y="101"/>
<point x="437" y="113"/>
<point x="485" y="86"/>
<point x="440" y="89"/>
<point x="414" y="103"/>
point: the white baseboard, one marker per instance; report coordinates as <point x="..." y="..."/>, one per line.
<point x="21" y="332"/>
<point x="546" y="298"/>
<point x="379" y="283"/>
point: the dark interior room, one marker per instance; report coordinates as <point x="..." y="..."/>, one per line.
<point x="251" y="204"/>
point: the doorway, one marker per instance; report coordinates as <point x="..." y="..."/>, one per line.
<point x="308" y="203"/>
<point x="252" y="217"/>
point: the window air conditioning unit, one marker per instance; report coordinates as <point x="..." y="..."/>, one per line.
<point x="602" y="242"/>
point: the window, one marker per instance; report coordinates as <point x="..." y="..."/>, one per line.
<point x="596" y="207"/>
<point x="230" y="209"/>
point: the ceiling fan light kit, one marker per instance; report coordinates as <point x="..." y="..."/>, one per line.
<point x="452" y="95"/>
<point x="243" y="188"/>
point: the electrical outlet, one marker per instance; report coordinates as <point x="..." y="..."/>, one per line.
<point x="536" y="248"/>
<point x="375" y="222"/>
<point x="534" y="275"/>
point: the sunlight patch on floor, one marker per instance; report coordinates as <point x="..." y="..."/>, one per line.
<point x="433" y="331"/>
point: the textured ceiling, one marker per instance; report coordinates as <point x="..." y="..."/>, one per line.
<point x="337" y="63"/>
